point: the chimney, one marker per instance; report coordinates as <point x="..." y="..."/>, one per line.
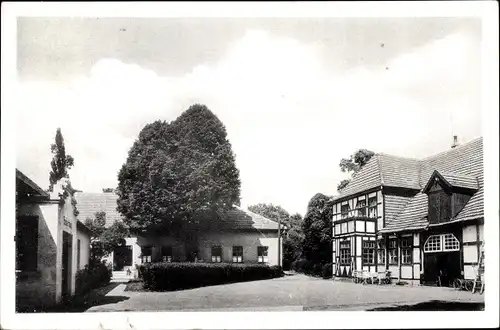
<point x="455" y="141"/>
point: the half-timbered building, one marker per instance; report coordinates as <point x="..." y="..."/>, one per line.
<point x="420" y="219"/>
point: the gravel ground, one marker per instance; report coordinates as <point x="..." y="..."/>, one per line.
<point x="288" y="293"/>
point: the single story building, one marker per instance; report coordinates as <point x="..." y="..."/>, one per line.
<point x="420" y="219"/>
<point x="51" y="245"/>
<point x="238" y="236"/>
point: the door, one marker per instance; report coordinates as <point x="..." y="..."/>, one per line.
<point x="444" y="266"/>
<point x="122" y="257"/>
<point x="66" y="265"/>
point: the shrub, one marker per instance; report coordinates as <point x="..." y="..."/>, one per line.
<point x="166" y="276"/>
<point x="92" y="276"/>
<point x="327" y="270"/>
<point x="301" y="265"/>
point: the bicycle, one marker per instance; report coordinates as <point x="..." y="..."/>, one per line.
<point x="463" y="284"/>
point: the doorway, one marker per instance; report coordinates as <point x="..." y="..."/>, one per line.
<point x="441" y="268"/>
<point x="66" y="265"/>
<point x="122" y="257"/>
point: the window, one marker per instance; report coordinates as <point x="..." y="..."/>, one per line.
<point x="443" y="242"/>
<point x="237" y="253"/>
<point x="406" y="250"/>
<point x="345" y="253"/>
<point x="368" y="252"/>
<point x="166" y="253"/>
<point x="361" y="208"/>
<point x="262" y="252"/>
<point x="27" y="244"/>
<point x="78" y="249"/>
<point x="216" y="253"/>
<point x="381" y="251"/>
<point x="146" y="252"/>
<point x="451" y="243"/>
<point x="372" y="207"/>
<point x="433" y="244"/>
<point x="344" y="211"/>
<point x="393" y="252"/>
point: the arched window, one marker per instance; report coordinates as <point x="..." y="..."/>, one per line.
<point x="433" y="244"/>
<point x="451" y="243"/>
<point x="441" y="243"/>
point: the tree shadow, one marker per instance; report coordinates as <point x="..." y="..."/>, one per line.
<point x="435" y="305"/>
<point x="79" y="304"/>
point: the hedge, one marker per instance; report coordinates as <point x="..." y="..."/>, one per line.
<point x="170" y="276"/>
<point x="310" y="268"/>
<point x="92" y="276"/>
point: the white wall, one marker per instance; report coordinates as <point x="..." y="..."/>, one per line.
<point x="249" y="240"/>
<point x="84" y="248"/>
<point x="46" y="286"/>
<point x="469" y="233"/>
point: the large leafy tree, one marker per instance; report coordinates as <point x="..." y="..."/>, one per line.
<point x="317" y="228"/>
<point x="61" y="162"/>
<point x="104" y="239"/>
<point x="292" y="239"/>
<point x="178" y="174"/>
<point x="353" y="164"/>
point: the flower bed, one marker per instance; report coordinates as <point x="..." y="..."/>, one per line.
<point x="165" y="276"/>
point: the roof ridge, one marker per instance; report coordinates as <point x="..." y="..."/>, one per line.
<point x="455" y="173"/>
<point x="452" y="149"/>
<point x="257" y="214"/>
<point x="396" y="156"/>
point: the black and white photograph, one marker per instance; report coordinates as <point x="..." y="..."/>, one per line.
<point x="210" y="159"/>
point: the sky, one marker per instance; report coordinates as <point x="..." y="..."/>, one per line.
<point x="296" y="95"/>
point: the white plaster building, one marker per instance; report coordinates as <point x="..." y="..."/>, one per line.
<point x="51" y="244"/>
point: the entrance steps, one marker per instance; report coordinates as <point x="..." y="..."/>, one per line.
<point x="121" y="276"/>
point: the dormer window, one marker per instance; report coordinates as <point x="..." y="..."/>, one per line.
<point x="448" y="193"/>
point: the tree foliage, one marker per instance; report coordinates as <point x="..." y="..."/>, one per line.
<point x="179" y="173"/>
<point x="317" y="228"/>
<point x="292" y="239"/>
<point x="342" y="184"/>
<point x="61" y="162"/>
<point x="105" y="239"/>
<point x="353" y="164"/>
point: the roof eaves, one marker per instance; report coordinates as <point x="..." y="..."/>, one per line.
<point x="21" y="176"/>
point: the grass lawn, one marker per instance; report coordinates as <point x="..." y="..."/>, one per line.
<point x="136" y="286"/>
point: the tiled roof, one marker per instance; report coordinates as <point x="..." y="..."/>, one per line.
<point x="399" y="171"/>
<point x="90" y="203"/>
<point x="413" y="216"/>
<point x="394" y="205"/>
<point x="367" y="178"/>
<point x="453" y="180"/>
<point x="384" y="170"/>
<point x="241" y="219"/>
<point x="237" y="219"/>
<point x="463" y="167"/>
<point x="473" y="209"/>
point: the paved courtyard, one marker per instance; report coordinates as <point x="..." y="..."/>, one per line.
<point x="290" y="293"/>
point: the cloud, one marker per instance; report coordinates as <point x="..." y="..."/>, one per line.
<point x="289" y="118"/>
